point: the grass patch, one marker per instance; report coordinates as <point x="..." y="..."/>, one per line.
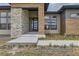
<point x="60" y="37"/>
<point x="4" y="39"/>
<point x="42" y="51"/>
<point x="48" y="51"/>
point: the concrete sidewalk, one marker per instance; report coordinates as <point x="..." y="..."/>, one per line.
<point x="58" y="42"/>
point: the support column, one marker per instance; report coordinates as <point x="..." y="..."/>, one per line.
<point x="25" y="21"/>
<point x="16" y="22"/>
<point x="41" y="19"/>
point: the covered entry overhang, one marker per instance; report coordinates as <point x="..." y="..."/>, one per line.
<point x="17" y="10"/>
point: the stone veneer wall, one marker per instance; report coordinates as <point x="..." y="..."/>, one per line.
<point x="25" y="21"/>
<point x="16" y="22"/>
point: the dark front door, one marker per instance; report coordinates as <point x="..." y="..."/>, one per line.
<point x="34" y="24"/>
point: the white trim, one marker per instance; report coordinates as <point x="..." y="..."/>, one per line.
<point x="4" y="32"/>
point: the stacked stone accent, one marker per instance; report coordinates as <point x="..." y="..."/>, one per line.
<point x="25" y="21"/>
<point x="16" y="22"/>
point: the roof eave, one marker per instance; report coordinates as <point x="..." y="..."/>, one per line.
<point x="46" y="6"/>
<point x="5" y="7"/>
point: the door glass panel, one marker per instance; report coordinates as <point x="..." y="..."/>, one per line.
<point x="3" y="20"/>
<point x="34" y="24"/>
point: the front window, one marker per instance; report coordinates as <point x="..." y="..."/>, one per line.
<point x="5" y="20"/>
<point x="50" y="23"/>
<point x="75" y="15"/>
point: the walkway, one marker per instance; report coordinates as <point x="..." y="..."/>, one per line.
<point x="33" y="39"/>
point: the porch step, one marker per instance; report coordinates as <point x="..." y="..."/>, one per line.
<point x="25" y="39"/>
<point x="36" y="35"/>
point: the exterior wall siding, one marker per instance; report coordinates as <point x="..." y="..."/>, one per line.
<point x="33" y="14"/>
<point x="5" y="32"/>
<point x="72" y="24"/>
<point x="62" y="23"/>
<point x="28" y="5"/>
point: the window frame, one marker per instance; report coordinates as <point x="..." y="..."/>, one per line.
<point x="7" y="23"/>
<point x="50" y="21"/>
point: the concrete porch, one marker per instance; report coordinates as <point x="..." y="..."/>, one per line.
<point x="27" y="39"/>
<point x="24" y="40"/>
<point x="35" y="34"/>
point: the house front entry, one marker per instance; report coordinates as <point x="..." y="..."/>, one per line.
<point x="33" y="24"/>
<point x="21" y="22"/>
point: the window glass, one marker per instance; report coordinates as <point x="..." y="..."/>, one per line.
<point x="53" y="20"/>
<point x="50" y="22"/>
<point x="75" y="15"/>
<point x="78" y="14"/>
<point x="3" y="14"/>
<point x="53" y="23"/>
<point x="54" y="16"/>
<point x="9" y="14"/>
<point x="3" y="26"/>
<point x="47" y="17"/>
<point x="9" y="20"/>
<point x="9" y="26"/>
<point x="5" y="20"/>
